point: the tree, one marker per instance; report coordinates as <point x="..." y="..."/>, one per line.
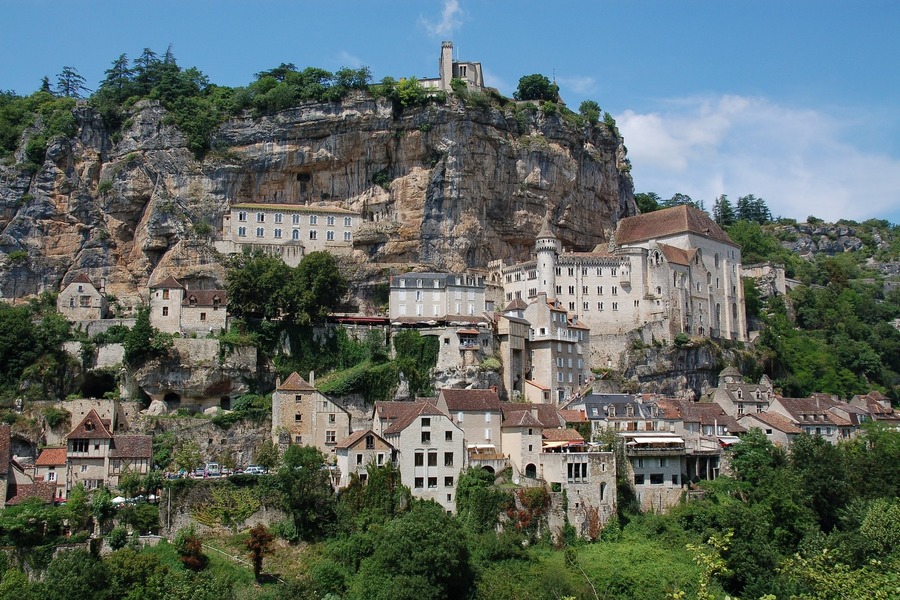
<point x="188" y="456"/>
<point x="751" y="208"/>
<point x="279" y="73"/>
<point x="259" y="544"/>
<point x="255" y="283"/>
<point x="306" y="491"/>
<point x="317" y="286"/>
<point x="267" y="455"/>
<point x="70" y="84"/>
<point x="723" y="211"/>
<point x="478" y="501"/>
<point x="647" y="202"/>
<point x="75" y="575"/>
<point x="190" y="549"/>
<point x="590" y="110"/>
<point x="45" y="85"/>
<point x="410" y="92"/>
<point x="536" y="87"/>
<point x="118" y="76"/>
<point x="145" y="342"/>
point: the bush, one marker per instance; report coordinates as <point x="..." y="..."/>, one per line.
<point x="55" y="416"/>
<point x="682" y="339"/>
<point x="117" y="538"/>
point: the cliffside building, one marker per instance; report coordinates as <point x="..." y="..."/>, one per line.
<point x="82" y="300"/>
<point x="176" y="309"/>
<point x="304" y="416"/>
<point x="450" y="69"/>
<point x="288" y="230"/>
<point x="671" y="271"/>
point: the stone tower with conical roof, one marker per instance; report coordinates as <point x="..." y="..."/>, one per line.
<point x="546" y="249"/>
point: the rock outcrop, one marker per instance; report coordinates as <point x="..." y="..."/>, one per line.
<point x="442" y="185"/>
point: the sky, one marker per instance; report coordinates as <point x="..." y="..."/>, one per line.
<point x="794" y="101"/>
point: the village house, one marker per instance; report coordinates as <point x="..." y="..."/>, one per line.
<point x="304" y="416"/>
<point x="82" y="300"/>
<point x="176" y="309"/>
<point x="778" y="428"/>
<point x="358" y="451"/>
<point x="737" y="397"/>
<point x="814" y="417"/>
<point x="668" y="272"/>
<point x="429" y="448"/>
<point x="289" y="231"/>
<point x="617" y="412"/>
<point x="511" y="338"/>
<point x="656" y="462"/>
<point x="51" y="466"/>
<point x="878" y="407"/>
<point x="477" y="413"/>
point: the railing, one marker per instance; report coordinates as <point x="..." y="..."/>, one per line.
<point x="632" y="451"/>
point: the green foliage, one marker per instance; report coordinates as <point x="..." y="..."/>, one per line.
<point x="188" y="456"/>
<point x="31" y="353"/>
<point x="416" y="356"/>
<point x="536" y="87"/>
<point x="229" y="506"/>
<point x="647" y="202"/>
<point x="409" y="92"/>
<point x="590" y="110"/>
<point x="479" y="502"/>
<point x="306" y="491"/>
<point x="190" y="549"/>
<point x="682" y="339"/>
<point x="117" y="537"/>
<point x="55" y="416"/>
<point x="250" y="407"/>
<point x="144" y="342"/>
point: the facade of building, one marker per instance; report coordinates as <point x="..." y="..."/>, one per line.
<point x="359" y="451"/>
<point x="176" y="309"/>
<point x="657" y="462"/>
<point x="737" y="397"/>
<point x="303" y="416"/>
<point x="438" y="297"/>
<point x="671" y="271"/>
<point x="290" y="231"/>
<point x="50" y="466"/>
<point x="778" y="428"/>
<point x="82" y="300"/>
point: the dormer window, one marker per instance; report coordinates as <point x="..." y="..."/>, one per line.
<point x="216" y="302"/>
<point x="89" y="426"/>
<point x="192" y="301"/>
<point x="740" y="394"/>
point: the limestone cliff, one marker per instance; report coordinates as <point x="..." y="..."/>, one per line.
<point x="442" y="185"/>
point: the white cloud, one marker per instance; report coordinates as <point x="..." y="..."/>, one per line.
<point x="799" y="160"/>
<point x="349" y="60"/>
<point x="580" y="85"/>
<point x="451" y="19"/>
<point x="492" y="80"/>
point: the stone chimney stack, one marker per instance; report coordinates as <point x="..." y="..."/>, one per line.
<point x="312" y="378"/>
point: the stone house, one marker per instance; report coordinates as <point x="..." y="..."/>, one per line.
<point x="657" y="466"/>
<point x="778" y="428"/>
<point x="879" y="408"/>
<point x="450" y="69"/>
<point x="429" y="448"/>
<point x="51" y="466"/>
<point x="289" y="231"/>
<point x="82" y="300"/>
<point x="814" y="416"/>
<point x="668" y="272"/>
<point x="477" y="413"/>
<point x="358" y="451"/>
<point x="618" y="412"/>
<point x="440" y="297"/>
<point x="176" y="309"/>
<point x="304" y="416"/>
<point x="511" y="338"/>
<point x="129" y="454"/>
<point x="737" y="397"/>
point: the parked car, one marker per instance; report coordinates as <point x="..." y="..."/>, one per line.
<point x="213" y="470"/>
<point x="255" y="470"/>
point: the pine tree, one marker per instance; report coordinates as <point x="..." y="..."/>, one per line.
<point x="70" y="84"/>
<point x="723" y="211"/>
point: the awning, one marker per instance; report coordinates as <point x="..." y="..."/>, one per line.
<point x="555" y="444"/>
<point x="656" y="440"/>
<point x="481" y="446"/>
<point x="727" y="440"/>
<point x="468" y="332"/>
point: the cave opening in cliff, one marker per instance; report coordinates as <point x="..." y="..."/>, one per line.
<point x="172" y="400"/>
<point x="96" y="385"/>
<point x="225" y="403"/>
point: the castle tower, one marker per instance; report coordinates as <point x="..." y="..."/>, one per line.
<point x="546" y="248"/>
<point x="445" y="65"/>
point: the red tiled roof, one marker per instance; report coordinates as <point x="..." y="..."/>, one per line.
<point x="471" y="400"/>
<point x="44" y="490"/>
<point x="516" y="304"/>
<point x="547" y="414"/>
<point x="205" y="298"/>
<point x="679" y="256"/>
<point x="415" y="410"/>
<point x="92" y="427"/>
<point x="131" y="446"/>
<point x="356" y="436"/>
<point x="561" y="435"/>
<point x="573" y="416"/>
<point x="705" y="413"/>
<point x="82" y="278"/>
<point x="536" y="384"/>
<point x="776" y="421"/>
<point x="667" y="222"/>
<point x="5" y="445"/>
<point x="520" y="418"/>
<point x="295" y="383"/>
<point x="817" y="406"/>
<point x="51" y="457"/>
<point x="169" y="282"/>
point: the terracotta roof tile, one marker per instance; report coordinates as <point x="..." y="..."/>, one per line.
<point x="131" y="446"/>
<point x="205" y="298"/>
<point x="51" y="457"/>
<point x="561" y="435"/>
<point x="775" y="420"/>
<point x="471" y="400"/>
<point x="82" y="278"/>
<point x="668" y="222"/>
<point x="573" y="416"/>
<point x="356" y="436"/>
<point x="416" y="410"/>
<point x="44" y="490"/>
<point x="169" y="282"/>
<point x="516" y="304"/>
<point x="295" y="383"/>
<point x="520" y="418"/>
<point x="679" y="256"/>
<point x="92" y="427"/>
<point x="547" y="414"/>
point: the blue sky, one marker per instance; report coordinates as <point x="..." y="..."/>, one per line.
<point x="792" y="100"/>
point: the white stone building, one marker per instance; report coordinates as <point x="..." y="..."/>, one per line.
<point x="290" y="231"/>
<point x="304" y="416"/>
<point x="82" y="300"/>
<point x="671" y="271"/>
<point x="176" y="309"/>
<point x="438" y="297"/>
<point x="450" y="69"/>
<point x="358" y="451"/>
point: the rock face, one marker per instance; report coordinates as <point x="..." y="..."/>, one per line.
<point x="679" y="372"/>
<point x="442" y="185"/>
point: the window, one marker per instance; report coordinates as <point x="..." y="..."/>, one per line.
<point x="426" y="421"/>
<point x="278" y="217"/>
<point x="165" y="311"/>
<point x="331" y="418"/>
<point x="277" y="234"/>
<point x="426" y="437"/>
<point x="675" y="479"/>
<point x="572" y="289"/>
<point x="260" y="232"/>
<point x="448" y="459"/>
<point x="298" y="418"/>
<point x="330" y="220"/>
<point x="370" y="442"/>
<point x="298" y="439"/>
<point x="432" y="482"/>
<point x="313" y="234"/>
<point x="420" y="482"/>
<point x="347" y="236"/>
<point x="656" y="479"/>
<point x="638" y="479"/>
<point x="242" y="216"/>
<point x="242" y="232"/>
<point x="348" y="221"/>
<point x="84" y="468"/>
<point x="599" y="306"/>
<point x="432" y="459"/>
<point x="662" y="461"/>
<point x="165" y="294"/>
<point x="202" y="316"/>
<point x="51" y="476"/>
<point x="330" y="437"/>
<point x="313" y="220"/>
<point x="584" y="289"/>
<point x="329" y="235"/>
<point x="615" y="306"/>
<point x="380" y="459"/>
<point x="615" y="290"/>
<point x="448" y="482"/>
<point x="419" y="459"/>
<point x="448" y="436"/>
<point x="260" y="217"/>
<point x="295" y="219"/>
<point x="295" y="235"/>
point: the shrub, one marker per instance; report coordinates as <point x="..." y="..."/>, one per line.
<point x="681" y="339"/>
<point x="105" y="187"/>
<point x="55" y="416"/>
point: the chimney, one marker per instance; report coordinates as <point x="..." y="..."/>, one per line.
<point x="312" y="378"/>
<point x="277" y="382"/>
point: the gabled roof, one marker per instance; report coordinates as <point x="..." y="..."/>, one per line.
<point x="546" y="415"/>
<point x="82" y="278"/>
<point x="667" y="222"/>
<point x="295" y="383"/>
<point x="205" y="298"/>
<point x="416" y="410"/>
<point x="561" y="435"/>
<point x="471" y="400"/>
<point x="5" y="444"/>
<point x="51" y="457"/>
<point x="45" y="490"/>
<point x="169" y="282"/>
<point x="516" y="304"/>
<point x="92" y="427"/>
<point x="678" y="256"/>
<point x="704" y="413"/>
<point x="573" y="416"/>
<point x="520" y="418"/>
<point x="356" y="437"/>
<point x="131" y="446"/>
<point x="775" y="421"/>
